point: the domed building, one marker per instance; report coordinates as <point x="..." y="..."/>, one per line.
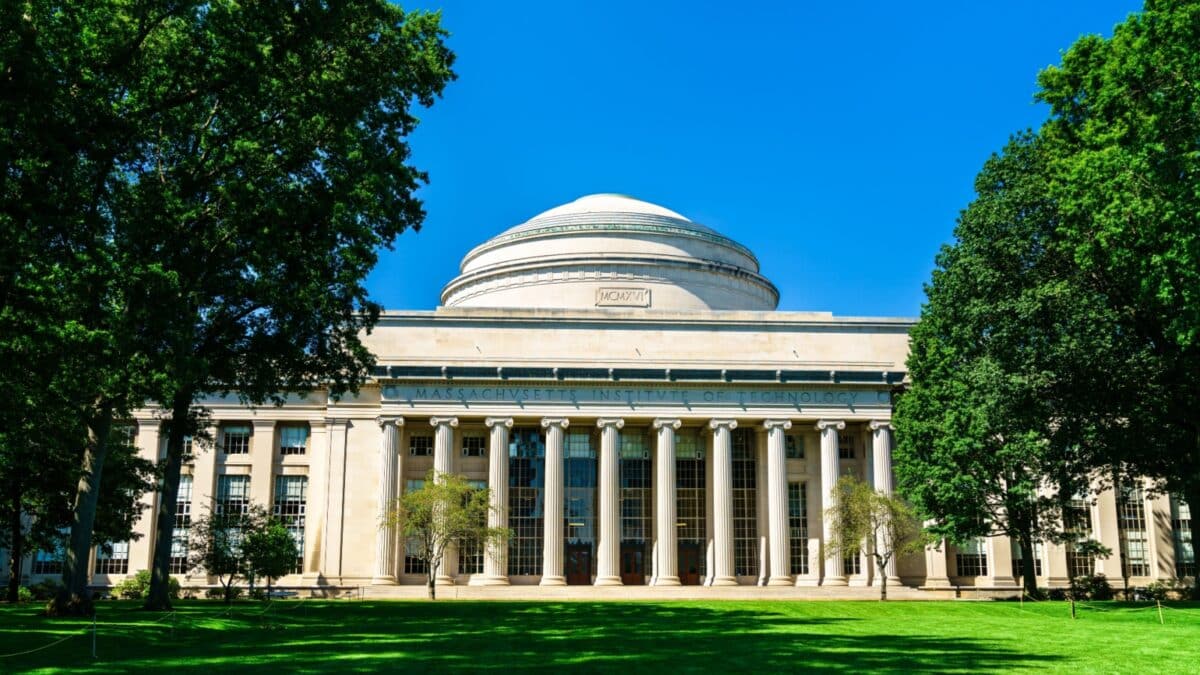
<point x="620" y="378"/>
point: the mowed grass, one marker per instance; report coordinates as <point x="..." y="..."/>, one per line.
<point x="668" y="637"/>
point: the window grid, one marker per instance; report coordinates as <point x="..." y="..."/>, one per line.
<point x="291" y="500"/>
<point x="971" y="559"/>
<point x="470" y="559"/>
<point x="526" y="471"/>
<point x="745" y="504"/>
<point x="1181" y="531"/>
<point x="1038" y="556"/>
<point x="48" y="562"/>
<point x="183" y="522"/>
<point x="798" y="527"/>
<point x="1131" y="515"/>
<point x="235" y="439"/>
<point x="793" y="446"/>
<point x="636" y="498"/>
<point x="233" y="495"/>
<point x="414" y="563"/>
<point x="420" y="445"/>
<point x="845" y="446"/>
<point x="116" y="562"/>
<point x="293" y="439"/>
<point x="1077" y="520"/>
<point x="579" y="492"/>
<point x="474" y="446"/>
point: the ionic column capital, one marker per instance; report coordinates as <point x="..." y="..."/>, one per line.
<point x="562" y="422"/>
<point x="610" y="422"/>
<point x="822" y="425"/>
<point x="440" y="421"/>
<point x="673" y="422"/>
<point x="503" y="421"/>
<point x="717" y="424"/>
<point x="384" y="421"/>
<point x="777" y="424"/>
<point x="876" y="425"/>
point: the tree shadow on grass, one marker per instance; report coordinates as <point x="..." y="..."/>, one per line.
<point x="501" y="636"/>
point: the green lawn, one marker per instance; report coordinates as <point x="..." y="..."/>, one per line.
<point x="633" y="636"/>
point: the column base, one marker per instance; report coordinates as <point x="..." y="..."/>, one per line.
<point x="384" y="580"/>
<point x="724" y="581"/>
<point x="553" y="580"/>
<point x="443" y="580"/>
<point x="608" y="581"/>
<point x="937" y="582"/>
<point x="808" y="582"/>
<point x="667" y="581"/>
<point x="835" y="581"/>
<point x="487" y="580"/>
<point x="780" y="581"/>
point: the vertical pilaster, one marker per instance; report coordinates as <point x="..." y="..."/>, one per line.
<point x="829" y="429"/>
<point x="609" y="540"/>
<point x="667" y="568"/>
<point x="936" y="575"/>
<point x="262" y="458"/>
<point x="389" y="466"/>
<point x="443" y="464"/>
<point x="552" y="507"/>
<point x="881" y="475"/>
<point x="777" y="503"/>
<point x="335" y="498"/>
<point x="141" y="549"/>
<point x="316" y="512"/>
<point x="495" y="556"/>
<point x="723" y="502"/>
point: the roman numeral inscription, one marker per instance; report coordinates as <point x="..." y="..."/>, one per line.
<point x="622" y="297"/>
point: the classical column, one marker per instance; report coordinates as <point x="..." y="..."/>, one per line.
<point x="936" y="575"/>
<point x="552" y="504"/>
<point x="881" y="475"/>
<point x="385" y="536"/>
<point x="443" y="456"/>
<point x="495" y="556"/>
<point x="777" y="503"/>
<point x="723" y="502"/>
<point x="667" y="571"/>
<point x="609" y="542"/>
<point x="829" y="474"/>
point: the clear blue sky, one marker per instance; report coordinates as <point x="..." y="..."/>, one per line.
<point x="838" y="142"/>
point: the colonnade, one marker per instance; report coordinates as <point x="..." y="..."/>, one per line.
<point x="666" y="571"/>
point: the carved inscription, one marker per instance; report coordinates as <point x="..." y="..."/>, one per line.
<point x="622" y="297"/>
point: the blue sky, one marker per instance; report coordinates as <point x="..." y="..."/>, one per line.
<point x="838" y="143"/>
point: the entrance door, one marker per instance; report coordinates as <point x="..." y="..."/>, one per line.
<point x="689" y="563"/>
<point x="578" y="564"/>
<point x="633" y="564"/>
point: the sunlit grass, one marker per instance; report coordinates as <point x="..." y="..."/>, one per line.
<point x="605" y="636"/>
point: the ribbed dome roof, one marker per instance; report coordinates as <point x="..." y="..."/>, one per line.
<point x="575" y="254"/>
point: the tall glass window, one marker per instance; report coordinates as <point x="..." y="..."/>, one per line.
<point x="1131" y="516"/>
<point x="414" y="563"/>
<point x="235" y="439"/>
<point x="798" y="527"/>
<point x="293" y="439"/>
<point x="1039" y="554"/>
<point x="1077" y="522"/>
<point x="691" y="526"/>
<point x="579" y="494"/>
<point x="50" y="561"/>
<point x="971" y="560"/>
<point x="233" y="495"/>
<point x="1181" y="530"/>
<point x="526" y="489"/>
<point x="745" y="504"/>
<point x="113" y="561"/>
<point x="637" y="509"/>
<point x="183" y="523"/>
<point x="470" y="559"/>
<point x="291" y="499"/>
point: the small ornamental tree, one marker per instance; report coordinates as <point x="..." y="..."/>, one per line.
<point x="217" y="544"/>
<point x="445" y="511"/>
<point x="866" y="519"/>
<point x="270" y="552"/>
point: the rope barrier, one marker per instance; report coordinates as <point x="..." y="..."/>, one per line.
<point x="38" y="649"/>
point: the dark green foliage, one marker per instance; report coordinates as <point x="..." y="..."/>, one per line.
<point x="1094" y="587"/>
<point x="135" y="587"/>
<point x="270" y="552"/>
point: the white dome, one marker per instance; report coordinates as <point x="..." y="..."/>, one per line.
<point x="609" y="250"/>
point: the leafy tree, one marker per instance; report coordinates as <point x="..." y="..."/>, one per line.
<point x="270" y="552"/>
<point x="884" y="526"/>
<point x="217" y="544"/>
<point x="1123" y="139"/>
<point x="445" y="511"/>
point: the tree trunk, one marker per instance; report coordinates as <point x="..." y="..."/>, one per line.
<point x="1120" y="536"/>
<point x="432" y="585"/>
<point x="17" y="550"/>
<point x="159" y="596"/>
<point x="881" y="563"/>
<point x="75" y="599"/>
<point x="1028" y="570"/>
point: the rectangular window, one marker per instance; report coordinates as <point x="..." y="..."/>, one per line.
<point x="690" y="500"/>
<point x="233" y="495"/>
<point x="235" y="439"/>
<point x="1181" y="531"/>
<point x="470" y="560"/>
<point x="853" y="564"/>
<point x="51" y="561"/>
<point x="845" y="446"/>
<point x="414" y="562"/>
<point x="636" y="496"/>
<point x="745" y="504"/>
<point x="291" y="500"/>
<point x="474" y="446"/>
<point x="793" y="446"/>
<point x="293" y="439"/>
<point x="1077" y="522"/>
<point x="1039" y="554"/>
<point x="420" y="445"/>
<point x="971" y="560"/>
<point x="116" y="562"/>
<point x="526" y="475"/>
<point x="1131" y="517"/>
<point x="579" y="498"/>
<point x="798" y="527"/>
<point x="183" y="522"/>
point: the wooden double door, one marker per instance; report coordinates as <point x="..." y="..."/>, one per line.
<point x="578" y="564"/>
<point x="689" y="563"/>
<point x="633" y="564"/>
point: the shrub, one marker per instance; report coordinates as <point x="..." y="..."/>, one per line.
<point x="1094" y="587"/>
<point x="1056" y="594"/>
<point x="1158" y="591"/>
<point x="136" y="586"/>
<point x="218" y="593"/>
<point x="24" y="594"/>
<point x="46" y="590"/>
